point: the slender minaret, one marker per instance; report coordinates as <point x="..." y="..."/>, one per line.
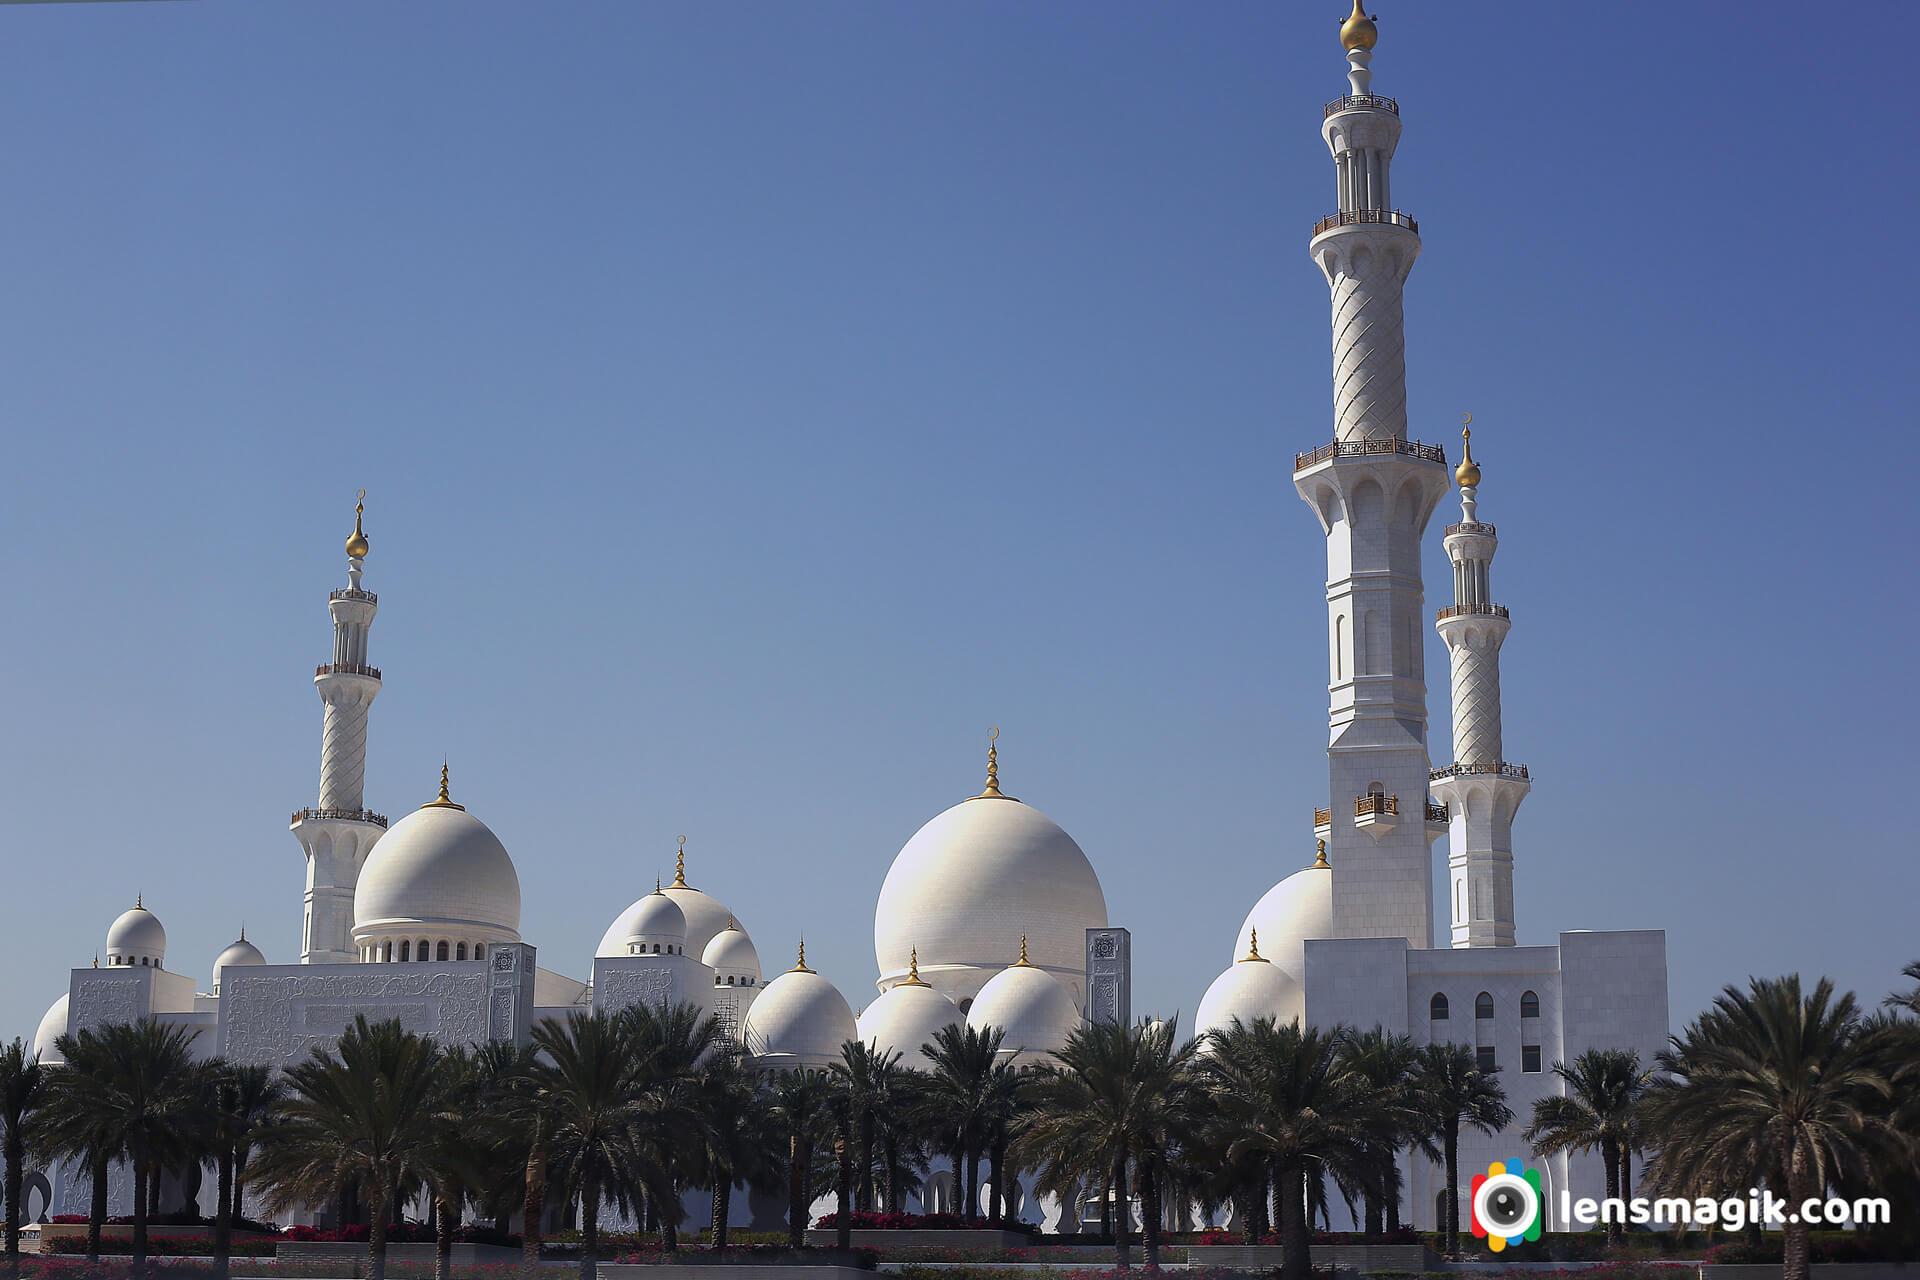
<point x="1374" y="491"/>
<point x="1480" y="789"/>
<point x="337" y="833"/>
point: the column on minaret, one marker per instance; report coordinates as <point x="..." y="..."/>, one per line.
<point x="1480" y="789"/>
<point x="1373" y="491"/>
<point x="338" y="832"/>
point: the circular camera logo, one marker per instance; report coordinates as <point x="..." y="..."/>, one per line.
<point x="1506" y="1204"/>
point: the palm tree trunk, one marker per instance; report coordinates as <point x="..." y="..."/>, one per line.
<point x="1800" y="1187"/>
<point x="533" y="1207"/>
<point x="863" y="1193"/>
<point x="1122" y="1256"/>
<point x="1626" y="1170"/>
<point x="890" y="1146"/>
<point x="1390" y="1195"/>
<point x="223" y="1216"/>
<point x="239" y="1193"/>
<point x="798" y="1158"/>
<point x="1149" y="1217"/>
<point x="1610" y="1156"/>
<point x="670" y="1217"/>
<point x="377" y="1233"/>
<point x="1452" y="1151"/>
<point x="722" y="1202"/>
<point x="589" y="1226"/>
<point x="973" y="1182"/>
<point x="843" y="1198"/>
<point x="140" y="1176"/>
<point x="1243" y="1209"/>
<point x="1296" y="1251"/>
<point x="997" y="1184"/>
<point x="1372" y="1211"/>
<point x="97" y="1209"/>
<point x="442" y="1236"/>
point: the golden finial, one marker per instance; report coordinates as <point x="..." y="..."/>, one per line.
<point x="656" y="884"/>
<point x="680" y="866"/>
<point x="1468" y="472"/>
<point x="802" y="966"/>
<point x="1320" y="862"/>
<point x="1023" y="962"/>
<point x="1253" y="948"/>
<point x="913" y="978"/>
<point x="139" y="902"/>
<point x="1358" y="31"/>
<point x="243" y="932"/>
<point x="992" y="791"/>
<point x="357" y="544"/>
<point x="96" y="959"/>
<point x="444" y="801"/>
<point x="732" y="923"/>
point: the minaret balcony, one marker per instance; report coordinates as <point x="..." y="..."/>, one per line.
<point x="1361" y="101"/>
<point x="367" y="816"/>
<point x="1376" y="814"/>
<point x="354" y="593"/>
<point x="1367" y="217"/>
<point x="1482" y="768"/>
<point x="346" y="669"/>
<point x="1323" y="822"/>
<point x="1357" y="448"/>
<point x="1465" y="526"/>
<point x="1436" y="814"/>
<point x="1469" y="610"/>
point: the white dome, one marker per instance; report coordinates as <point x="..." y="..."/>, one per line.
<point x="798" y="1020"/>
<point x="971" y="883"/>
<point x="238" y="952"/>
<point x="732" y="952"/>
<point x="1249" y="990"/>
<point x="656" y="921"/>
<point x="1031" y="1008"/>
<point x="1298" y="908"/>
<point x="705" y="918"/>
<point x="52" y="1026"/>
<point x="135" y="937"/>
<point x="905" y="1017"/>
<point x="441" y="869"/>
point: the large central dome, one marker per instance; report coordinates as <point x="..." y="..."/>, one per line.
<point x="976" y="880"/>
<point x="441" y="873"/>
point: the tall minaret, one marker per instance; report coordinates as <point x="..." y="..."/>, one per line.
<point x="337" y="833"/>
<point x="1374" y="491"/>
<point x="1480" y="789"/>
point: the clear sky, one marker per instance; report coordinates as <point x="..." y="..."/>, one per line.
<point x="756" y="402"/>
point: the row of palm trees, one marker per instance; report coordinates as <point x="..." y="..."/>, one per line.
<point x="1801" y="1092"/>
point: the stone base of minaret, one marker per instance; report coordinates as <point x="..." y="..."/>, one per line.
<point x="336" y="844"/>
<point x="1480" y="808"/>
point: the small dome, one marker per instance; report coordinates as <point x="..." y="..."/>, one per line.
<point x="657" y="921"/>
<point x="52" y="1026"/>
<point x="1293" y="911"/>
<point x="798" y="1020"/>
<point x="238" y="952"/>
<point x="706" y="917"/>
<point x="439" y="868"/>
<point x="137" y="937"/>
<point x="1032" y="1009"/>
<point x="1250" y="989"/>
<point x="905" y="1017"/>
<point x="731" y="953"/>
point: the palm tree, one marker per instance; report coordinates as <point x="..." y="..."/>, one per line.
<point x="23" y="1089"/>
<point x="864" y="1072"/>
<point x="1597" y="1111"/>
<point x="363" y="1116"/>
<point x="736" y="1139"/>
<point x="1907" y="1000"/>
<point x="1005" y="1109"/>
<point x="1124" y="1095"/>
<point x="518" y="1123"/>
<point x="1794" y="1086"/>
<point x="1381" y="1065"/>
<point x="799" y="1113"/>
<point x="255" y="1094"/>
<point x="129" y="1091"/>
<point x="1285" y="1099"/>
<point x="670" y="1042"/>
<point x="232" y="1101"/>
<point x="1453" y="1091"/>
<point x="954" y="1101"/>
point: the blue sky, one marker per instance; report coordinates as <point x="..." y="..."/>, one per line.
<point x="757" y="402"/>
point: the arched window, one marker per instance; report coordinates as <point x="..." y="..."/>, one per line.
<point x="387" y="950"/>
<point x="420" y="952"/>
<point x="1437" y="1007"/>
<point x="1529" y="1005"/>
<point x="479" y="951"/>
<point x="440" y="952"/>
<point x="460" y="952"/>
<point x="1483" y="1005"/>
<point x="406" y="950"/>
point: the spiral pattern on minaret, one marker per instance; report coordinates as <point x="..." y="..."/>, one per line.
<point x="1369" y="349"/>
<point x="1476" y="700"/>
<point x="343" y="753"/>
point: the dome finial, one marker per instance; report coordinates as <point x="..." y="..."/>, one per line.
<point x="1358" y="31"/>
<point x="243" y="931"/>
<point x="680" y="866"/>
<point x="992" y="791"/>
<point x="656" y="885"/>
<point x="913" y="978"/>
<point x="1468" y="472"/>
<point x="443" y="801"/>
<point x="1320" y="862"/>
<point x="140" y="902"/>
<point x="1023" y="962"/>
<point x="1253" y="948"/>
<point x="96" y="959"/>
<point x="801" y="967"/>
<point x="357" y="545"/>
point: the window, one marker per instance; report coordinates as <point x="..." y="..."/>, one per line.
<point x="1483" y="1005"/>
<point x="479" y="951"/>
<point x="1530" y="1057"/>
<point x="406" y="950"/>
<point x="1484" y="1058"/>
<point x="1530" y="1006"/>
<point x="1437" y="1007"/>
<point x="460" y="952"/>
<point x="441" y="952"/>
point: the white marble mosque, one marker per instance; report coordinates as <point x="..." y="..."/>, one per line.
<point x="420" y="919"/>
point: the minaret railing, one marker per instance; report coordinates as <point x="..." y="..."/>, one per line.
<point x="338" y="815"/>
<point x="354" y="593"/>
<point x="1370" y="804"/>
<point x="1478" y="768"/>
<point x="1360" y="217"/>
<point x="1470" y="526"/>
<point x="1354" y="100"/>
<point x="1356" y="448"/>
<point x="1459" y="610"/>
<point x="346" y="669"/>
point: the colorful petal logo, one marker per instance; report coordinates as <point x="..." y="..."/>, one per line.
<point x="1506" y="1204"/>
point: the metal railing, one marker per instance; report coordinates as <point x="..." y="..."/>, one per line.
<point x="338" y="815"/>
<point x="1470" y="526"/>
<point x="354" y="593"/>
<point x="1370" y="805"/>
<point x="346" y="669"/>
<point x="1358" y="448"/>
<point x="1323" y="817"/>
<point x="1436" y="812"/>
<point x="1367" y="217"/>
<point x="1462" y="610"/>
<point x="1498" y="768"/>
<point x="1352" y="100"/>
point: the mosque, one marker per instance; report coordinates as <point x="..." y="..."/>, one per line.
<point x="419" y="919"/>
